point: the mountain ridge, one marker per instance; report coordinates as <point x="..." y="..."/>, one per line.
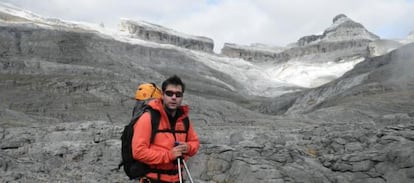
<point x="343" y="38"/>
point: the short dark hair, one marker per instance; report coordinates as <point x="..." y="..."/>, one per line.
<point x="173" y="80"/>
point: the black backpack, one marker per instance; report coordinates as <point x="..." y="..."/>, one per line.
<point x="134" y="168"/>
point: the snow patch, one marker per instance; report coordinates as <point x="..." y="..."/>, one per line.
<point x="310" y="75"/>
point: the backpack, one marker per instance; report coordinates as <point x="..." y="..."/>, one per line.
<point x="134" y="168"/>
<point x="146" y="91"/>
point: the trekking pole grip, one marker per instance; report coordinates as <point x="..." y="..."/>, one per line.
<point x="179" y="157"/>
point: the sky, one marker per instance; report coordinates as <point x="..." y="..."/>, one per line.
<point x="244" y="22"/>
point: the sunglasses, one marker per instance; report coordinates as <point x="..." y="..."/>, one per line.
<point x="171" y="93"/>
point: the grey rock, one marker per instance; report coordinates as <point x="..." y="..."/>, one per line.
<point x="353" y="146"/>
<point x="382" y="46"/>
<point x="160" y="34"/>
<point x="362" y="166"/>
<point x="250" y="53"/>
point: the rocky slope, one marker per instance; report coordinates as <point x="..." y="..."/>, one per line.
<point x="66" y="95"/>
<point x="384" y="77"/>
<point x="364" y="109"/>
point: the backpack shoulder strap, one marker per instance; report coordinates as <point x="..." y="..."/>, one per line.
<point x="186" y="121"/>
<point x="186" y="127"/>
<point x="155" y="122"/>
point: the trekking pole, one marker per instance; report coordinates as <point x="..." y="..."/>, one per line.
<point x="179" y="169"/>
<point x="188" y="171"/>
<point x="185" y="167"/>
<point x="179" y="165"/>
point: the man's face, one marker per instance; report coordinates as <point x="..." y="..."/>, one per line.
<point x="173" y="96"/>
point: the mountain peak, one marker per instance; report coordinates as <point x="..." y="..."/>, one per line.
<point x="340" y="18"/>
<point x="342" y="29"/>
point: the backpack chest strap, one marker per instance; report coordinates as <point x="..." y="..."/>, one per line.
<point x="155" y="121"/>
<point x="171" y="131"/>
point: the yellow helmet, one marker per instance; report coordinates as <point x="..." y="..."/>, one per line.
<point x="146" y="91"/>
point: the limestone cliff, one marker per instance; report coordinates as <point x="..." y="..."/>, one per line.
<point x="163" y="35"/>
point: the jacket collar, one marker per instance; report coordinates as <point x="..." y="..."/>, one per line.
<point x="157" y="105"/>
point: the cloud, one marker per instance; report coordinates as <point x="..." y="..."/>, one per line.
<point x="273" y="22"/>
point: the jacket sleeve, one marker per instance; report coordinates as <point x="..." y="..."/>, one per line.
<point x="141" y="143"/>
<point x="192" y="141"/>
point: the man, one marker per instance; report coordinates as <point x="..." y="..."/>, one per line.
<point x="162" y="154"/>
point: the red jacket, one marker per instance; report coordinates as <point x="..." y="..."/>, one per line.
<point x="159" y="154"/>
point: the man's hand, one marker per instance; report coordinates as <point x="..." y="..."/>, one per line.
<point x="184" y="147"/>
<point x="180" y="149"/>
<point x="177" y="152"/>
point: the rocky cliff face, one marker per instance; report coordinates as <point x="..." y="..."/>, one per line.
<point x="344" y="38"/>
<point x="383" y="46"/>
<point x="250" y="53"/>
<point x="66" y="94"/>
<point x="159" y="34"/>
